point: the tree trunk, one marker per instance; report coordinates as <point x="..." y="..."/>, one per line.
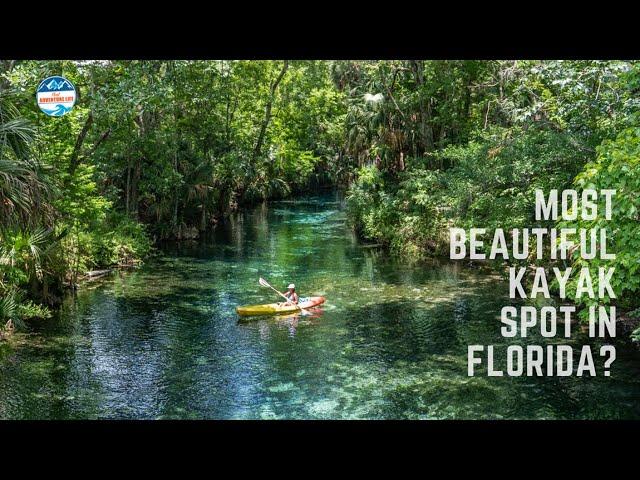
<point x="425" y="129"/>
<point x="203" y="219"/>
<point x="174" y="220"/>
<point x="267" y="113"/>
<point x="176" y="140"/>
<point x="75" y="155"/>
<point x="128" y="189"/>
<point x="134" y="188"/>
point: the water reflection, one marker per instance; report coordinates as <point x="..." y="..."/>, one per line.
<point x="289" y="321"/>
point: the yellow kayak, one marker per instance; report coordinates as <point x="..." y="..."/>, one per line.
<point x="278" y="308"/>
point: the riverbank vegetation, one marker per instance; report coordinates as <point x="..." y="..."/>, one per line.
<point x="468" y="143"/>
<point x="159" y="150"/>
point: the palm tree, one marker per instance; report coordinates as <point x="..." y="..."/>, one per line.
<point x="25" y="242"/>
<point x="24" y="187"/>
<point x="8" y="313"/>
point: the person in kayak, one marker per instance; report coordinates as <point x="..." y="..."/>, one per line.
<point x="291" y="295"/>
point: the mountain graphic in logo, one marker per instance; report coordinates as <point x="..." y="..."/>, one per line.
<point x="55" y="84"/>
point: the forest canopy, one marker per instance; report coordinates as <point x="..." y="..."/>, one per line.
<point x="168" y="149"/>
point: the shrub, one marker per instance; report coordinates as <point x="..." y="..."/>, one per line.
<point x="617" y="167"/>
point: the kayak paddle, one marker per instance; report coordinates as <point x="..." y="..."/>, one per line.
<point x="264" y="283"/>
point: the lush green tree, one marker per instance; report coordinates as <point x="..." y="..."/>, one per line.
<point x="468" y="143"/>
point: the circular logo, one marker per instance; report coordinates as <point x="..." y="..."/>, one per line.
<point x="56" y="96"/>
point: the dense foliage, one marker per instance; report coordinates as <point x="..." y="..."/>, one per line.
<point x="468" y="143"/>
<point x="166" y="149"/>
<point x="152" y="150"/>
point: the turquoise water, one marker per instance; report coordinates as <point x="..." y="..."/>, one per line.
<point x="164" y="341"/>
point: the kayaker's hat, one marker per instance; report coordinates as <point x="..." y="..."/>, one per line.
<point x="291" y="285"/>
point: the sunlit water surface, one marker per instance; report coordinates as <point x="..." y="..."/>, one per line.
<point x="164" y="341"/>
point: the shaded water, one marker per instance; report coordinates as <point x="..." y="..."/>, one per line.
<point x="391" y="341"/>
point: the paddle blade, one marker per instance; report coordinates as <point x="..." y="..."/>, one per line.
<point x="263" y="282"/>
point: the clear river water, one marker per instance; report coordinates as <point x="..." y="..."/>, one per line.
<point x="164" y="341"/>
